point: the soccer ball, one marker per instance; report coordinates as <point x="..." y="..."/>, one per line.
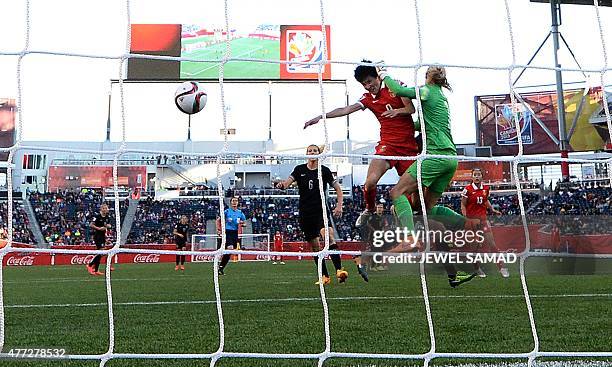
<point x="190" y="98"/>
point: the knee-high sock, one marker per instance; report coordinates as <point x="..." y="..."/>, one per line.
<point x="403" y="209"/>
<point x="224" y="260"/>
<point x="324" y="270"/>
<point x="447" y="216"/>
<point x="370" y="198"/>
<point x="96" y="262"/>
<point x="335" y="258"/>
<point x="178" y="259"/>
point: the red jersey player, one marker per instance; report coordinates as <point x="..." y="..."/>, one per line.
<point x="474" y="204"/>
<point x="396" y="130"/>
<point x="278" y="247"/>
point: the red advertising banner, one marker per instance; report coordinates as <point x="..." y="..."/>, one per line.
<point x="70" y="177"/>
<point x="304" y="43"/>
<point x="507" y="239"/>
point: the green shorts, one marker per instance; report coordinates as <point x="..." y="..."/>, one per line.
<point x="436" y="173"/>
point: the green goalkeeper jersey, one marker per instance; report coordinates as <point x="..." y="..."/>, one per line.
<point x="435" y="113"/>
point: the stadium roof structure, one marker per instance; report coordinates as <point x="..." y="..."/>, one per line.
<point x="577" y="2"/>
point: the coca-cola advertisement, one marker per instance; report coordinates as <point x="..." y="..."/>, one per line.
<point x="20" y="261"/>
<point x="26" y="259"/>
<point x="146" y="258"/>
<point x="81" y="259"/>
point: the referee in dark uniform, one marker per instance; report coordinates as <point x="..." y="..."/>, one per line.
<point x="180" y="238"/>
<point x="100" y="225"/>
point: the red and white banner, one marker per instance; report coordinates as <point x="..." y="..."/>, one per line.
<point x="507" y="238"/>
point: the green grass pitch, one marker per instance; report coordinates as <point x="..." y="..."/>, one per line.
<point x="242" y="47"/>
<point x="277" y="309"/>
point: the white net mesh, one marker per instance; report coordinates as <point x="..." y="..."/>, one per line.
<point x="327" y="350"/>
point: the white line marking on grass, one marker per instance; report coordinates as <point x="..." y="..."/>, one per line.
<point x="537" y="364"/>
<point x="96" y="279"/>
<point x="306" y="299"/>
<point x="217" y="64"/>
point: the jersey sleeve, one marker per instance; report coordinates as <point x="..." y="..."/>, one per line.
<point x="242" y="216"/>
<point x="401" y="91"/>
<point x="464" y="193"/>
<point x="363" y="101"/>
<point x="328" y="177"/>
<point x="296" y="173"/>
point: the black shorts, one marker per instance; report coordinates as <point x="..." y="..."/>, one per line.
<point x="180" y="246"/>
<point x="311" y="225"/>
<point x="99" y="246"/>
<point x="231" y="240"/>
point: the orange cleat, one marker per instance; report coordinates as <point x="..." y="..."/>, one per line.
<point x="342" y="275"/>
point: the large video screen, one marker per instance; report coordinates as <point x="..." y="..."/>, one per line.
<point x="73" y="177"/>
<point x="300" y="43"/>
<point x="7" y="125"/>
<point x="585" y="121"/>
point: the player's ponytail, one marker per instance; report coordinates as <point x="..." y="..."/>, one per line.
<point x="438" y="76"/>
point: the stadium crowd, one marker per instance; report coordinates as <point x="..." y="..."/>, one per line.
<point x="21" y="224"/>
<point x="65" y="216"/>
<point x="154" y="220"/>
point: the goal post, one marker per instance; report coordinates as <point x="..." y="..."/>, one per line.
<point x="207" y="243"/>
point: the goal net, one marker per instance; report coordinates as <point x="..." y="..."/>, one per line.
<point x="207" y="243"/>
<point x="257" y="247"/>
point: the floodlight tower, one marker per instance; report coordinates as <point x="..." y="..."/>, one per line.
<point x="555" y="12"/>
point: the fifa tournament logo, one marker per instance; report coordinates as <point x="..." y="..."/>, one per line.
<point x="506" y="125"/>
<point x="304" y="46"/>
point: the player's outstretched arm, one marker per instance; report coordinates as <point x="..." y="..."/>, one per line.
<point x="340" y="197"/>
<point x="338" y="112"/>
<point x="400" y="90"/>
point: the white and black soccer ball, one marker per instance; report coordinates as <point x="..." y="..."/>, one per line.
<point x="190" y="98"/>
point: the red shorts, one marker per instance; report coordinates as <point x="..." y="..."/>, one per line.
<point x="278" y="247"/>
<point x="400" y="151"/>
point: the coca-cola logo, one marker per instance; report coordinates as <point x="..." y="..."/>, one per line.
<point x="144" y="258"/>
<point x="262" y="257"/>
<point x="20" y="261"/>
<point x="81" y="260"/>
<point x="203" y="258"/>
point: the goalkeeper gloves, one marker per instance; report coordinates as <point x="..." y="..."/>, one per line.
<point x="382" y="71"/>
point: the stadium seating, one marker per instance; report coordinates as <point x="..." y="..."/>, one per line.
<point x="64" y="217"/>
<point x="21" y="228"/>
